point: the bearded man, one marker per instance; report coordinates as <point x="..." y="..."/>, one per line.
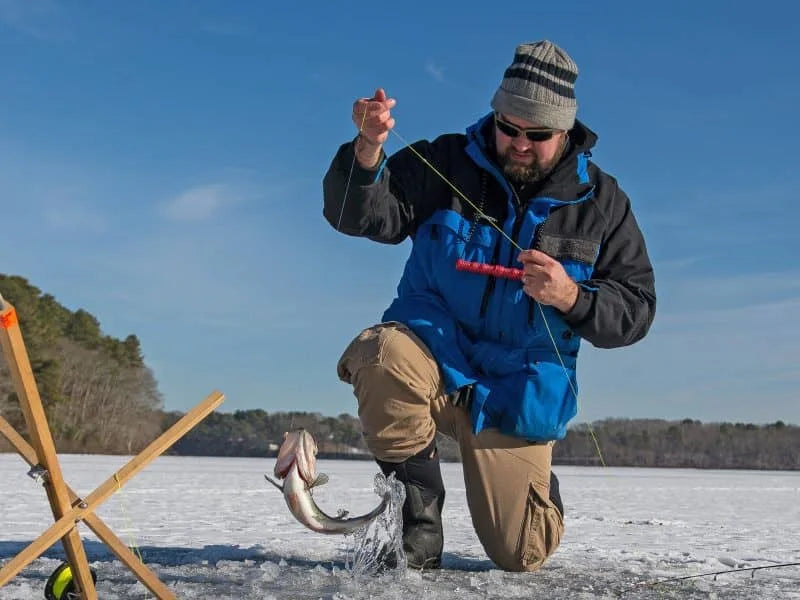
<point x="488" y="360"/>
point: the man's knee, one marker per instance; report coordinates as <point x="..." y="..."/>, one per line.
<point x="396" y="349"/>
<point x="538" y="538"/>
<point x="394" y="378"/>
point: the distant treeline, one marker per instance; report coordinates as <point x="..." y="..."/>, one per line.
<point x="97" y="391"/>
<point x="258" y="433"/>
<point x="623" y="442"/>
<point x="100" y="397"/>
<point x="687" y="443"/>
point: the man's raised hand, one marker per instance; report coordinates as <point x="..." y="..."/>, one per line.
<point x="373" y="118"/>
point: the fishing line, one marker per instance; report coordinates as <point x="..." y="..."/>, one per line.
<point x="518" y="247"/>
<point x="128" y="522"/>
<point x="350" y="174"/>
<point x="753" y="570"/>
<point x="482" y="214"/>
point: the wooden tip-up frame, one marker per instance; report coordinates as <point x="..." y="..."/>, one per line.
<point x="68" y="508"/>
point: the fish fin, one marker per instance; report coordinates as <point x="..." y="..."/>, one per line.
<point x="321" y="479"/>
<point x="273" y="482"/>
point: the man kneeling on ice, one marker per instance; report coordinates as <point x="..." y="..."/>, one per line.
<point x="473" y="347"/>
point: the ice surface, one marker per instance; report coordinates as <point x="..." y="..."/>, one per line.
<point x="213" y="528"/>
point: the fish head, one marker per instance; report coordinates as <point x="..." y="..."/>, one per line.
<point x="298" y="448"/>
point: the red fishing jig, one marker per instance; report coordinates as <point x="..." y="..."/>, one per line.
<point x="486" y="269"/>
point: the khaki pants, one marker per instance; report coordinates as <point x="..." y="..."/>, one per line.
<point x="401" y="404"/>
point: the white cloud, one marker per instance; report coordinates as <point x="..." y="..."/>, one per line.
<point x="434" y="71"/>
<point x="198" y="203"/>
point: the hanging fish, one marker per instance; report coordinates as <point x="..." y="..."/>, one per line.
<point x="296" y="465"/>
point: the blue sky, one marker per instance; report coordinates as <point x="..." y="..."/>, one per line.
<point x="161" y="166"/>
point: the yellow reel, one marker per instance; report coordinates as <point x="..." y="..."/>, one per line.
<point x="60" y="585"/>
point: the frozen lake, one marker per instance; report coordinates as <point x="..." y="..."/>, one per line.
<point x="213" y="528"/>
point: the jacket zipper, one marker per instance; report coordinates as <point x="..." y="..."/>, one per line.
<point x="492" y="283"/>
<point x="531" y="301"/>
<point x="514" y="235"/>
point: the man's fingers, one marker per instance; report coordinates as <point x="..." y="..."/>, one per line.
<point x="536" y="278"/>
<point x="378" y="124"/>
<point x="535" y="270"/>
<point x="369" y="112"/>
<point x="378" y="108"/>
<point x="534" y="257"/>
<point x="378" y="113"/>
<point x="377" y="102"/>
<point x="380" y="96"/>
<point x="373" y="116"/>
<point x="382" y="127"/>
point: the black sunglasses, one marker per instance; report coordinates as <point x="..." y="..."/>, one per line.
<point x="534" y="134"/>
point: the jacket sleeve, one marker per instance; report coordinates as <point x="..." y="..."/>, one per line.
<point x="380" y="204"/>
<point x="617" y="305"/>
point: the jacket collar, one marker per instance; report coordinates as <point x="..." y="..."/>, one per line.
<point x="569" y="181"/>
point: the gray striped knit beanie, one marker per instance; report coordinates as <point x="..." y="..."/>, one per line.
<point x="539" y="86"/>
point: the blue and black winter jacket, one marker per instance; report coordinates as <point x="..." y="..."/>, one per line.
<point x="486" y="332"/>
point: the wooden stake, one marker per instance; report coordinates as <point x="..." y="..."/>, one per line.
<point x="42" y="440"/>
<point x="95" y="523"/>
<point x="109" y="486"/>
<point x="68" y="508"/>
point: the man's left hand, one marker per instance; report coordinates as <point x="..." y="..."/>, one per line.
<point x="546" y="281"/>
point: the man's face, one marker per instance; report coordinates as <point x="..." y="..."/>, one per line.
<point x="524" y="160"/>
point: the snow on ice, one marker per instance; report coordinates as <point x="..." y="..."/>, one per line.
<point x="213" y="528"/>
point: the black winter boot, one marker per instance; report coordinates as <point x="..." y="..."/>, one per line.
<point x="423" y="538"/>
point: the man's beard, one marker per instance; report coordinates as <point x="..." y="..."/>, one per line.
<point x="536" y="171"/>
